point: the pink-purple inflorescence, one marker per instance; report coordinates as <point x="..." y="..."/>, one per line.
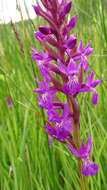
<point x="64" y="67"/>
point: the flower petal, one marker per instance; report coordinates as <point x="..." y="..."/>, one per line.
<point x="65" y="10"/>
<point x="37" y="9"/>
<point x="89" y="168"/>
<point x="73" y="150"/>
<point x="85" y="149"/>
<point x="45" y="30"/>
<point x="71" y="42"/>
<point x="95" y="98"/>
<point x="72" y="22"/>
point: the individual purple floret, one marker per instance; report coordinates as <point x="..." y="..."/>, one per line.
<point x="88" y="167"/>
<point x="64" y="68"/>
<point x="60" y="131"/>
<point x="84" y="151"/>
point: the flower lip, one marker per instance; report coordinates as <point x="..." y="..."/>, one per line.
<point x="89" y="168"/>
<point x="57" y="132"/>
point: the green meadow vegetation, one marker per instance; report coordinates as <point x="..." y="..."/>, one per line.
<point x="27" y="161"/>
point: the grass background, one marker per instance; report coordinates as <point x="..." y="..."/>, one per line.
<point x="27" y="162"/>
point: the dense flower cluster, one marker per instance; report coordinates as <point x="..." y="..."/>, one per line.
<point x="64" y="67"/>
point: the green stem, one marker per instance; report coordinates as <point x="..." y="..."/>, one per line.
<point x="76" y="137"/>
<point x="83" y="181"/>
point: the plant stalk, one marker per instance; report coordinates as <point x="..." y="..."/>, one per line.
<point x="74" y="108"/>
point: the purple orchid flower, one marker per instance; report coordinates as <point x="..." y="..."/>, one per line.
<point x="45" y="101"/>
<point x="64" y="67"/>
<point x="60" y="130"/>
<point x="61" y="127"/>
<point x="64" y="112"/>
